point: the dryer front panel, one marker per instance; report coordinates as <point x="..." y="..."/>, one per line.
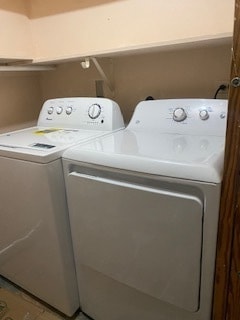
<point x="145" y="237"/>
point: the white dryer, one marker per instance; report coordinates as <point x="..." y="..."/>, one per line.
<point x="143" y="206"/>
<point x="35" y="242"/>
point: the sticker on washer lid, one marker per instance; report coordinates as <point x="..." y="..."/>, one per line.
<point x="46" y="131"/>
<point x="42" y="145"/>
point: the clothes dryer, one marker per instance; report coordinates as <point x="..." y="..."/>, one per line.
<point x="143" y="205"/>
<point x="35" y="243"/>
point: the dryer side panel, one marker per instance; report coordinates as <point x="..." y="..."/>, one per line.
<point x="143" y="237"/>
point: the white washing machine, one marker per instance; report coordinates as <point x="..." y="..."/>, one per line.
<point x="35" y="243"/>
<point x="143" y="206"/>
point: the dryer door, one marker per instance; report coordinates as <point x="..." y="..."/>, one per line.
<point x="147" y="238"/>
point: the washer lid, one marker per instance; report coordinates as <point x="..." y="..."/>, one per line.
<point x="41" y="144"/>
<point x="182" y="156"/>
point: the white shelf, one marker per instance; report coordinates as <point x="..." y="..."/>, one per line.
<point x="38" y="32"/>
<point x="225" y="38"/>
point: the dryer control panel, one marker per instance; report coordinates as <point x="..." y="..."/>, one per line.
<point x="81" y="113"/>
<point x="181" y="116"/>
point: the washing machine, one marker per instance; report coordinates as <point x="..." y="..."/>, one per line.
<point x="35" y="243"/>
<point x="143" y="207"/>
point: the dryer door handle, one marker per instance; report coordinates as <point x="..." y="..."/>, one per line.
<point x="76" y="174"/>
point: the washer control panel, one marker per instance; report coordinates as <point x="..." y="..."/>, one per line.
<point x="182" y="116"/>
<point x="81" y="113"/>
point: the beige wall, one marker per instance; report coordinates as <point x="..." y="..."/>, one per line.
<point x="60" y="30"/>
<point x="193" y="72"/>
<point x="20" y="96"/>
<point x="15" y="33"/>
<point x="67" y="29"/>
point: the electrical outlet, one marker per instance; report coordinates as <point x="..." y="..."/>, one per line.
<point x="218" y="83"/>
<point x="221" y="93"/>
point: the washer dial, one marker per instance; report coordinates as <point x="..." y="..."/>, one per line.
<point x="179" y="114"/>
<point x="94" y="111"/>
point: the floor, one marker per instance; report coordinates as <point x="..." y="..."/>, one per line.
<point x="22" y="296"/>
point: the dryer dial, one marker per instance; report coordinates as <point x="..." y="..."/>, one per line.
<point x="94" y="111"/>
<point x="203" y="114"/>
<point x="179" y="114"/>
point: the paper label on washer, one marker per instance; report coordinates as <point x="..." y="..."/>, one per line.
<point x="46" y="131"/>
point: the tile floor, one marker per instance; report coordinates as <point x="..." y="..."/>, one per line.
<point x="50" y="314"/>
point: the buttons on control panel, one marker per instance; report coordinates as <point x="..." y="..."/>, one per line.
<point x="50" y="110"/>
<point x="59" y="110"/>
<point x="179" y="114"/>
<point x="93" y="112"/>
<point x="68" y="110"/>
<point x="223" y="115"/>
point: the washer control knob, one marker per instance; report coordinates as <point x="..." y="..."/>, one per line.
<point x="59" y="110"/>
<point x="179" y="114"/>
<point x="203" y="114"/>
<point x="68" y="110"/>
<point x="94" y="111"/>
<point x="50" y="110"/>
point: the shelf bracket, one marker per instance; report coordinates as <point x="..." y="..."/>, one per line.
<point x="86" y="64"/>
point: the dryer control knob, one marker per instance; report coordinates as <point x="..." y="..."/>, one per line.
<point x="179" y="114"/>
<point x="203" y="114"/>
<point x="59" y="110"/>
